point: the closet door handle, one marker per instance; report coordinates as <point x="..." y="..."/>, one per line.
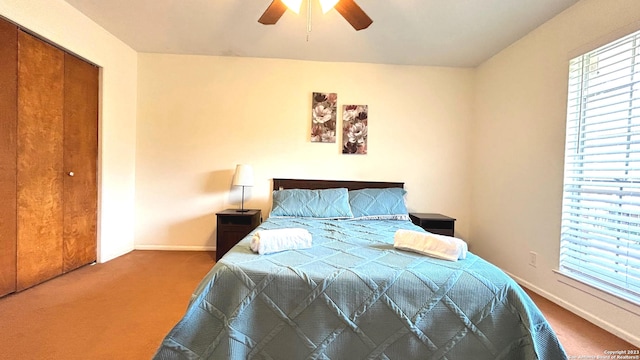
<point x="70" y="173"/>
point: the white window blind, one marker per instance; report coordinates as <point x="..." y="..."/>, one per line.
<point x="600" y="236"/>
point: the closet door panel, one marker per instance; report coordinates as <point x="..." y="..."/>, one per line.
<point x="80" y="162"/>
<point x="8" y="119"/>
<point x="39" y="161"/>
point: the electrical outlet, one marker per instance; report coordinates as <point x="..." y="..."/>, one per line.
<point x="533" y="258"/>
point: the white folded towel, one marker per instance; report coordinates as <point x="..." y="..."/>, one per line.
<point x="434" y="245"/>
<point x="275" y="240"/>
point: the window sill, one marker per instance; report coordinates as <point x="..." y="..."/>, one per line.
<point x="620" y="302"/>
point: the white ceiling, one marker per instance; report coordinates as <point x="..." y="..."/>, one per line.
<point x="459" y="33"/>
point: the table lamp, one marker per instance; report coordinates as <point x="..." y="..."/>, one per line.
<point x="243" y="177"/>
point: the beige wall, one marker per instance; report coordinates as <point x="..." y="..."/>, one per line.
<point x="200" y="116"/>
<point x="58" y="22"/>
<point x="518" y="150"/>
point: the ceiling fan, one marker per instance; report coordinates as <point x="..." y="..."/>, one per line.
<point x="347" y="8"/>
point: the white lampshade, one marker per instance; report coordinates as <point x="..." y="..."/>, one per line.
<point x="327" y="5"/>
<point x="243" y="175"/>
<point x="293" y="5"/>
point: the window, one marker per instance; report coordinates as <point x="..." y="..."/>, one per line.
<point x="600" y="236"/>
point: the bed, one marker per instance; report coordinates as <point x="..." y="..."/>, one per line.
<point x="352" y="295"/>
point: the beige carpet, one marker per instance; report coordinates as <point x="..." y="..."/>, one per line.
<point x="122" y="309"/>
<point x="579" y="337"/>
<point x="117" y="310"/>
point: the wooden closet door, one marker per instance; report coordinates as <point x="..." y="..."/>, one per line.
<point x="39" y="161"/>
<point x="80" y="162"/>
<point x="8" y="119"/>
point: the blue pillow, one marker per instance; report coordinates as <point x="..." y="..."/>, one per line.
<point x="323" y="204"/>
<point x="378" y="204"/>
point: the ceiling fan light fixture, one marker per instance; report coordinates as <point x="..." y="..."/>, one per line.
<point x="293" y="5"/>
<point x="327" y="5"/>
<point x="349" y="10"/>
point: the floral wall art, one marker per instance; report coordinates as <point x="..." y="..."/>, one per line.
<point x="355" y="123"/>
<point x="323" y="118"/>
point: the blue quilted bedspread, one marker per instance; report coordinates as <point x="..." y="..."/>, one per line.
<point x="353" y="296"/>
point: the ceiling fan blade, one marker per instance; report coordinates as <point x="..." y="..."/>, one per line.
<point x="353" y="14"/>
<point x="273" y="13"/>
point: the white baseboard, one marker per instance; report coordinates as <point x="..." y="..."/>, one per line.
<point x="175" y="248"/>
<point x="631" y="338"/>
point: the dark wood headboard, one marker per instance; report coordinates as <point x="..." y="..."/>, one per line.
<point x="279" y="184"/>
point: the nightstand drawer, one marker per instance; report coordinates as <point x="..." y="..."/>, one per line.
<point x="235" y="220"/>
<point x="434" y="223"/>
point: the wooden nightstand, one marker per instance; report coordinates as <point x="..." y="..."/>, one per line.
<point x="435" y="223"/>
<point x="232" y="226"/>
